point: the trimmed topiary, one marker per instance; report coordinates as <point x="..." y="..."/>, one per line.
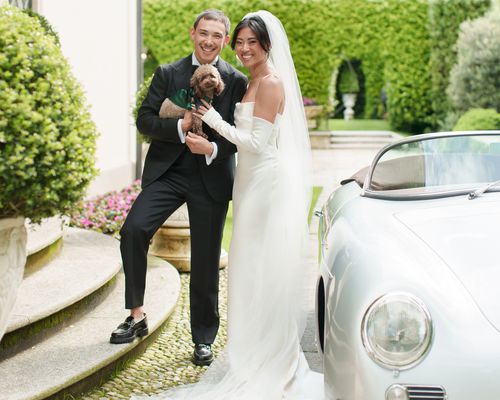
<point x="47" y="137"/>
<point x="478" y="119"/>
<point x="44" y="23"/>
<point x="475" y="79"/>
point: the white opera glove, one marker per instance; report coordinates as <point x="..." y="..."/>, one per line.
<point x="254" y="141"/>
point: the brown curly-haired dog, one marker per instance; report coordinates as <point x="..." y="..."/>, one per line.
<point x="206" y="83"/>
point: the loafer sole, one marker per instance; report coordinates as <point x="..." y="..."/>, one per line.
<point x="201" y="363"/>
<point x="129" y="339"/>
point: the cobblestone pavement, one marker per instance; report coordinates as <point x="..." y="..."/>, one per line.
<point x="166" y="362"/>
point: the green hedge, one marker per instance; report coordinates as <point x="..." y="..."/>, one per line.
<point x="47" y="138"/>
<point x="478" y="119"/>
<point x="389" y="37"/>
<point x="445" y="17"/>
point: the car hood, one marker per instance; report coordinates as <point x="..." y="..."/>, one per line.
<point x="466" y="236"/>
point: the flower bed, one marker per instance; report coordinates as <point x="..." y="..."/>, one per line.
<point x="106" y="213"/>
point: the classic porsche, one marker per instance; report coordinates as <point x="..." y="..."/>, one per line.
<point x="408" y="298"/>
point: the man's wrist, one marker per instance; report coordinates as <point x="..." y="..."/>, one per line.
<point x="210" y="157"/>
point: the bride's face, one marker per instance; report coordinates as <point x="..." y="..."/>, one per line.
<point x="248" y="49"/>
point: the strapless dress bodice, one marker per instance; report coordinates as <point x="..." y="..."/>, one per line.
<point x="243" y="115"/>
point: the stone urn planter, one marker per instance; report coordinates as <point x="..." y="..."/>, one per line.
<point x="172" y="241"/>
<point x="13" y="239"/>
<point x="312" y="112"/>
<point x="349" y="100"/>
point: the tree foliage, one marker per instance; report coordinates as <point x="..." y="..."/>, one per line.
<point x="475" y="79"/>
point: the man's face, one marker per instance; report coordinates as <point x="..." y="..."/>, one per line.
<point x="209" y="38"/>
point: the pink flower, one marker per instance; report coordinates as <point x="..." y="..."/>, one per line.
<point x="85" y="222"/>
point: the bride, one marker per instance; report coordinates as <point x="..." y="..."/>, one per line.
<point x="266" y="316"/>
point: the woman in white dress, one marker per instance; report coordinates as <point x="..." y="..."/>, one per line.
<point x="266" y="316"/>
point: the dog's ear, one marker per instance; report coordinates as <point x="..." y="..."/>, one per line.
<point x="220" y="87"/>
<point x="194" y="80"/>
<point x="195" y="83"/>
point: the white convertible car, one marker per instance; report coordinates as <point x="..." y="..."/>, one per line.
<point x="408" y="299"/>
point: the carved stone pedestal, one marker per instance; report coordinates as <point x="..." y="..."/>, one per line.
<point x="172" y="241"/>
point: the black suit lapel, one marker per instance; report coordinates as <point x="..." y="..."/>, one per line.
<point x="182" y="73"/>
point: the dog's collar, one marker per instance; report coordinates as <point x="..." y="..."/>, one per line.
<point x="183" y="97"/>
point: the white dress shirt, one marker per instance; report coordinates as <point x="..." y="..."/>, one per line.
<point x="182" y="135"/>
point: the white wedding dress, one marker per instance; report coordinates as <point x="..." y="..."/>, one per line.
<point x="262" y="359"/>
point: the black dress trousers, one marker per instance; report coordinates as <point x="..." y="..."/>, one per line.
<point x="181" y="183"/>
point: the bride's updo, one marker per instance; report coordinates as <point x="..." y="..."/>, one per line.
<point x="258" y="26"/>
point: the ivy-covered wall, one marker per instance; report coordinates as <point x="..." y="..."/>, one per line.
<point x="391" y="38"/>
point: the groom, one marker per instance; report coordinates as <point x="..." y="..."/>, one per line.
<point x="182" y="168"/>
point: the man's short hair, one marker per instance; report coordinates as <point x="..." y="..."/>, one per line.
<point x="214" y="15"/>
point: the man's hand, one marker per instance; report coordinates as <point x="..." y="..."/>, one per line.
<point x="187" y="122"/>
<point x="198" y="144"/>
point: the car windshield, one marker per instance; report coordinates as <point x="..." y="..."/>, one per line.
<point x="435" y="165"/>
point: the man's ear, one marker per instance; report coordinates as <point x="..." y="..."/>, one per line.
<point x="191" y="34"/>
<point x="226" y="40"/>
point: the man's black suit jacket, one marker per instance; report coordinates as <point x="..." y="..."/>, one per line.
<point x="166" y="146"/>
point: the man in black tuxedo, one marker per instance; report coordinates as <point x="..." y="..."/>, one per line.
<point x="183" y="167"/>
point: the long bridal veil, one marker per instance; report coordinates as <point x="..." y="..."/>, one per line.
<point x="262" y="359"/>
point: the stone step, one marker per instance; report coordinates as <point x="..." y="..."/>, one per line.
<point x="44" y="243"/>
<point x="87" y="261"/>
<point x="367" y="134"/>
<point x="42" y="235"/>
<point x="360" y="139"/>
<point x="356" y="146"/>
<point x="73" y="358"/>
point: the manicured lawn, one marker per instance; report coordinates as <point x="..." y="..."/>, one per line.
<point x="354" y="125"/>
<point x="228" y="227"/>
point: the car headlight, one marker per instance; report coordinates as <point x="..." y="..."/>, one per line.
<point x="397" y="330"/>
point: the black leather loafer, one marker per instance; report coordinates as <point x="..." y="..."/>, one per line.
<point x="202" y="354"/>
<point x="129" y="330"/>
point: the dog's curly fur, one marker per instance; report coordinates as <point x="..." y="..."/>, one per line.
<point x="206" y="83"/>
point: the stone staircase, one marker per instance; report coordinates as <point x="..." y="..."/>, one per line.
<point x="71" y="298"/>
<point x="361" y="139"/>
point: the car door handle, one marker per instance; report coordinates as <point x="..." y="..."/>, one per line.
<point x="319" y="213"/>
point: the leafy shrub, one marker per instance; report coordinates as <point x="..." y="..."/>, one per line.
<point x="106" y="213"/>
<point x="445" y="17"/>
<point x="139" y="98"/>
<point x="478" y="119"/>
<point x="47" y="138"/>
<point x="475" y="79"/>
<point x="44" y="23"/>
<point x="348" y="81"/>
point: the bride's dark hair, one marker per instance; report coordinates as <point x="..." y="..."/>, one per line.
<point x="258" y="26"/>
